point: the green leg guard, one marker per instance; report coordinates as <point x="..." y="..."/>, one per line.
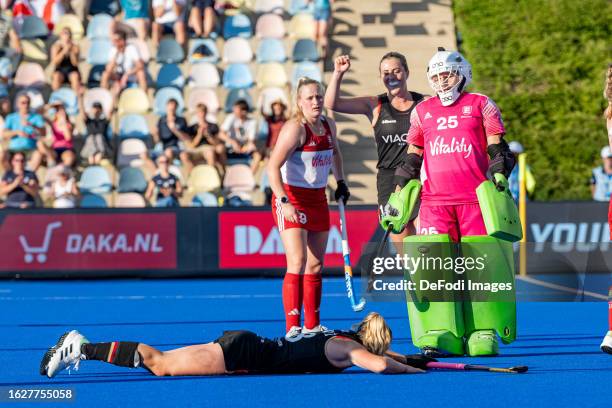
<point x="485" y="318"/>
<point x="434" y="325"/>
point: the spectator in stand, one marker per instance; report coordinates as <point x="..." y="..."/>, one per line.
<point x="20" y="186"/>
<point x="517" y="149"/>
<point x="168" y="186"/>
<point x="274" y="123"/>
<point x="204" y="143"/>
<point x="25" y="130"/>
<point x="124" y="67"/>
<point x="5" y="109"/>
<point x="61" y="129"/>
<point x="96" y="146"/>
<point x="136" y="15"/>
<point x="203" y="17"/>
<point x="601" y="177"/>
<point x="323" y="19"/>
<point x="67" y="161"/>
<point x="8" y="36"/>
<point x="171" y="129"/>
<point x="238" y="131"/>
<point x="64" y="190"/>
<point x="169" y="15"/>
<point x="65" y="59"/>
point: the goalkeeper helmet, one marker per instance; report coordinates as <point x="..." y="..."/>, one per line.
<point x="448" y="73"/>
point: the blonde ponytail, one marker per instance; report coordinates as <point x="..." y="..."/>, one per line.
<point x="303" y="81"/>
<point x="375" y="334"/>
<point x="608" y="93"/>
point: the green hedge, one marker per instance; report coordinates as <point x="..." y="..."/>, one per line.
<point x="543" y="62"/>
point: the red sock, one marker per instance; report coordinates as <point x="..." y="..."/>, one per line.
<point x="313" y="285"/>
<point x="292" y="299"/>
<point x="610" y="309"/>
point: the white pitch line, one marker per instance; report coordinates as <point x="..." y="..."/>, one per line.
<point x="561" y="287"/>
<point x="155" y="297"/>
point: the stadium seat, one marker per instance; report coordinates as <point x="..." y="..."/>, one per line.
<point x="237" y="76"/>
<point x="99" y="50"/>
<point x="302" y="26"/>
<point x="99" y="26"/>
<point x="239" y="200"/>
<point x="71" y="21"/>
<point x="204" y="200"/>
<point x="269" y="6"/>
<point x="305" y="49"/>
<point x="237" y="50"/>
<point x="133" y="100"/>
<point x="203" y="178"/>
<point x="238" y="25"/>
<point x="95" y="76"/>
<point x="95" y="179"/>
<point x="134" y="126"/>
<point x="169" y="52"/>
<point x="170" y="75"/>
<point x="271" y="74"/>
<point x="131" y="180"/>
<point x="37" y="99"/>
<point x="271" y="50"/>
<point x="130" y="200"/>
<point x="270" y="26"/>
<point x="203" y="50"/>
<point x="130" y="150"/>
<point x="35" y="51"/>
<point x="110" y="7"/>
<point x="206" y="96"/>
<point x="306" y="69"/>
<point x="92" y="201"/>
<point x="238" y="179"/>
<point x="143" y="49"/>
<point x="68" y="98"/>
<point x="162" y="97"/>
<point x="30" y="74"/>
<point x="269" y="95"/>
<point x="235" y="95"/>
<point x="31" y="28"/>
<point x="204" y="74"/>
<point x="98" y="95"/>
<point x="301" y="6"/>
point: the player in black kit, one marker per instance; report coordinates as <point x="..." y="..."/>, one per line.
<point x="328" y="351"/>
<point x="389" y="114"/>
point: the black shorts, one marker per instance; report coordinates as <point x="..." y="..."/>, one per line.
<point x="242" y="350"/>
<point x="385" y="185"/>
<point x="202" y="4"/>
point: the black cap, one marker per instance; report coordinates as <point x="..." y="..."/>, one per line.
<point x="97" y="105"/>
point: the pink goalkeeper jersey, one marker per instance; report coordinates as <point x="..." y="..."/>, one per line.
<point x="454" y="138"/>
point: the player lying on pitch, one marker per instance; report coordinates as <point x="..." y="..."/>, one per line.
<point x="329" y="351"/>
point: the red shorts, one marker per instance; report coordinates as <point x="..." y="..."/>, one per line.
<point x="311" y="205"/>
<point x="455" y="220"/>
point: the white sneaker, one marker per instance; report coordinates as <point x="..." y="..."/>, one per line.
<point x="293" y="332"/>
<point x="606" y="345"/>
<point x="316" y="329"/>
<point x="65" y="353"/>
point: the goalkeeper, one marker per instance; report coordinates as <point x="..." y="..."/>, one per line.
<point x="455" y="143"/>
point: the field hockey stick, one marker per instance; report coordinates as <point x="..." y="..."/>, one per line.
<point x="377" y="254"/>
<point x="472" y="367"/>
<point x="348" y="270"/>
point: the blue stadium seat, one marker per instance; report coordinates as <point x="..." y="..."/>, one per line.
<point x="306" y="69"/>
<point x="134" y="126"/>
<point x="32" y="27"/>
<point x="93" y="201"/>
<point x="271" y="50"/>
<point x="99" y="51"/>
<point x="237" y="76"/>
<point x="205" y="200"/>
<point x="132" y="180"/>
<point x="238" y="25"/>
<point x="170" y="75"/>
<point x="235" y="95"/>
<point x="95" y="75"/>
<point x="68" y="98"/>
<point x="110" y="7"/>
<point x="301" y="6"/>
<point x="305" y="50"/>
<point x="163" y="95"/>
<point x="95" y="179"/>
<point x="203" y="50"/>
<point x="169" y="52"/>
<point x="99" y="26"/>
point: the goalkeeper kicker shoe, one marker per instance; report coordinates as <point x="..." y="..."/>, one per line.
<point x="482" y="343"/>
<point x="440" y="343"/>
<point x="65" y="353"/>
<point x="606" y="345"/>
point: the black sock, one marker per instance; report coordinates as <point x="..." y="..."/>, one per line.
<point x="120" y="353"/>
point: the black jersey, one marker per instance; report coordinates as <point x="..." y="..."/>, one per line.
<point x="304" y="353"/>
<point x="391" y="131"/>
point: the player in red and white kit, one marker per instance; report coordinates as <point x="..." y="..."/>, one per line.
<point x="455" y="143"/>
<point x="606" y="345"/>
<point x="298" y="169"/>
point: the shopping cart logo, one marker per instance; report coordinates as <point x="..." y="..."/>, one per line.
<point x="38" y="252"/>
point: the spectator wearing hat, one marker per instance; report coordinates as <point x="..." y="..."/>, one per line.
<point x="96" y="146"/>
<point x="274" y="124"/>
<point x="169" y="16"/>
<point x="64" y="190"/>
<point x="513" y="180"/>
<point x="204" y="143"/>
<point x="20" y="186"/>
<point x="125" y="66"/>
<point x="601" y="177"/>
<point x="168" y="186"/>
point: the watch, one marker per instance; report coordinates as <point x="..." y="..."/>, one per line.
<point x="284" y="200"/>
